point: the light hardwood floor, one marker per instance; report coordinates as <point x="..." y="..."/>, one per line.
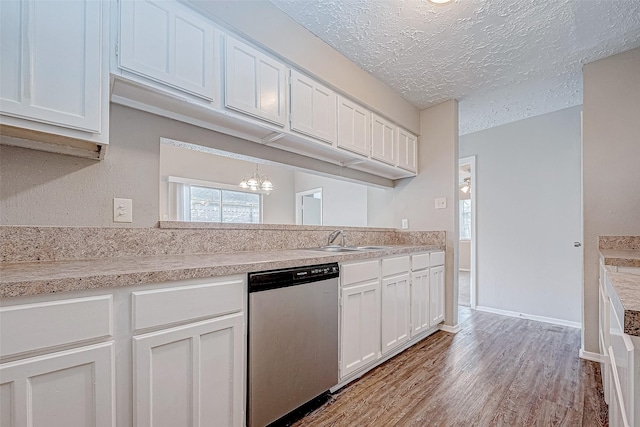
<point x="497" y="371"/>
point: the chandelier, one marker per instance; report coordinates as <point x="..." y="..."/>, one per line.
<point x="256" y="182"/>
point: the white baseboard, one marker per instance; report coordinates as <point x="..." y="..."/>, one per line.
<point x="451" y="329"/>
<point x="594" y="357"/>
<point x="464" y="269"/>
<point x="551" y="320"/>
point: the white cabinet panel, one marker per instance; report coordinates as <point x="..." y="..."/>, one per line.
<point x="255" y="83"/>
<point x="395" y="312"/>
<point x="360" y="326"/>
<point x="436" y="295"/>
<point x="168" y="43"/>
<point x="395" y="265"/>
<point x="33" y="327"/>
<point x="356" y="272"/>
<point x="191" y="375"/>
<point x="420" y="319"/>
<point x="70" y="388"/>
<point x="436" y="258"/>
<point x="313" y="108"/>
<point x="52" y="61"/>
<point x="383" y="140"/>
<point x="407" y="150"/>
<point x="354" y="127"/>
<point x="160" y="307"/>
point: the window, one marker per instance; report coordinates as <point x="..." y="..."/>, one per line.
<point x="202" y="201"/>
<point x="218" y="205"/>
<point x="465" y="219"/>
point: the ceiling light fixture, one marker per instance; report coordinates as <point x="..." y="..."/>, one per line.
<point x="466" y="186"/>
<point x="257" y="182"/>
<point x="440" y="1"/>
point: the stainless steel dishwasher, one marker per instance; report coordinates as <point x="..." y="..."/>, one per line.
<point x="293" y="339"/>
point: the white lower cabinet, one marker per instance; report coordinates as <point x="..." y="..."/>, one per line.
<point x="170" y="354"/>
<point x="62" y="389"/>
<point x="190" y="375"/>
<point x="386" y="306"/>
<point x="436" y="295"/>
<point x="395" y="314"/>
<point x="360" y="326"/>
<point x="420" y="320"/>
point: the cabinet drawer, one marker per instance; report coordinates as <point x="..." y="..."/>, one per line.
<point x="186" y="303"/>
<point x="436" y="258"/>
<point x="31" y="327"/>
<point x="420" y="261"/>
<point x="398" y="265"/>
<point x="359" y="272"/>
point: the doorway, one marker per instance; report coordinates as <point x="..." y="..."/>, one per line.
<point x="467" y="273"/>
<point x="309" y="207"/>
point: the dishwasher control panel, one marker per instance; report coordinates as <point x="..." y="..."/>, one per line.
<point x="272" y="279"/>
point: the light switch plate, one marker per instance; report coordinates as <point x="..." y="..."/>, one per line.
<point x="122" y="210"/>
<point x="405" y="224"/>
<point x="441" y="203"/>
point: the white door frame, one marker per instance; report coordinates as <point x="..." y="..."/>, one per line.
<point x="299" y="196"/>
<point x="473" y="274"/>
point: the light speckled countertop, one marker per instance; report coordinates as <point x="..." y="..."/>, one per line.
<point x="627" y="297"/>
<point x="621" y="257"/>
<point x="626" y="286"/>
<point x="33" y="278"/>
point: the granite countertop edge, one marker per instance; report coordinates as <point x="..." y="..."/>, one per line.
<point x="621" y="257"/>
<point x="37" y="278"/>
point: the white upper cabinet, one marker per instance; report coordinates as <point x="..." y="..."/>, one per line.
<point x="383" y="135"/>
<point x="255" y="83"/>
<point x="168" y="43"/>
<point x="313" y="108"/>
<point x="52" y="63"/>
<point x="354" y="127"/>
<point x="407" y="150"/>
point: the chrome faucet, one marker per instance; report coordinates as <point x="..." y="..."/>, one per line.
<point x="334" y="235"/>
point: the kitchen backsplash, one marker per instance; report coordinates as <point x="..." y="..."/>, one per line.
<point x="19" y="243"/>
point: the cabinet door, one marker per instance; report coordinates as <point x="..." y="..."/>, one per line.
<point x="383" y="135"/>
<point x="254" y="82"/>
<point x="313" y="108"/>
<point x="354" y="127"/>
<point x="420" y="319"/>
<point x="51" y="67"/>
<point x="359" y="327"/>
<point x="395" y="312"/>
<point x="436" y="295"/>
<point x="191" y="375"/>
<point x="68" y="388"/>
<point x="168" y="43"/>
<point x="407" y="150"/>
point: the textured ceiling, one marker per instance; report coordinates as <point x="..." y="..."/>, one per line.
<point x="504" y="60"/>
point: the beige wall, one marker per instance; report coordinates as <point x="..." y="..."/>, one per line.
<point x="268" y="26"/>
<point x="611" y="167"/>
<point x="464" y="255"/>
<point x="414" y="199"/>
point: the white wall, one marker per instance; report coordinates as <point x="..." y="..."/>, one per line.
<point x="528" y="215"/>
<point x="611" y="166"/>
<point x="343" y="203"/>
<point x="278" y="207"/>
<point x="414" y="198"/>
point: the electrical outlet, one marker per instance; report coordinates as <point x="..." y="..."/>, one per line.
<point x="405" y="224"/>
<point x="122" y="210"/>
<point x="441" y="203"/>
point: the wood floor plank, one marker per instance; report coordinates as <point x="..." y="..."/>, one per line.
<point x="497" y="371"/>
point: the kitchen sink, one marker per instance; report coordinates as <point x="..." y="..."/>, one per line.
<point x="337" y="249"/>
